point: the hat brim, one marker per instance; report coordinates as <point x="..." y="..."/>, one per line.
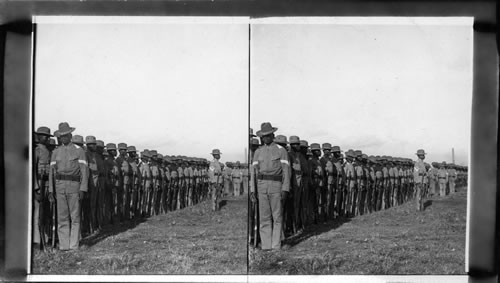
<point x="44" y="134"/>
<point x="420" y="153"/>
<point x="214" y="153"/>
<point x="66" y="132"/>
<point x="261" y="133"/>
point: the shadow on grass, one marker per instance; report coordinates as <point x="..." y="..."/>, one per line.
<point x="222" y="203"/>
<point x="111" y="230"/>
<point x="315" y="230"/>
<point x="427" y="204"/>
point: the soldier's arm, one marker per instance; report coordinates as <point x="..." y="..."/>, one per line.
<point x="84" y="170"/>
<point x="253" y="169"/>
<point x="285" y="165"/>
<point x="52" y="170"/>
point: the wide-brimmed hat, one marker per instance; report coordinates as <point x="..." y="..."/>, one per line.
<point x="315" y="146"/>
<point x="43" y="131"/>
<point x="64" y="129"/>
<point x="111" y="146"/>
<point x="336" y="148"/>
<point x="99" y="143"/>
<point x="153" y="153"/>
<point x="358" y="153"/>
<point x="56" y="133"/>
<point x="90" y="140"/>
<point x="77" y="139"/>
<point x="281" y="139"/>
<point x="216" y="151"/>
<point x="304" y="143"/>
<point x="326" y="146"/>
<point x="255" y="141"/>
<point x="122" y="145"/>
<point x="420" y="152"/>
<point x="265" y="129"/>
<point x="251" y="133"/>
<point x="131" y="149"/>
<point x="294" y="140"/>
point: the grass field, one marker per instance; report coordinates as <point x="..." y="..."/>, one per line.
<point x="194" y="240"/>
<point x="399" y="240"/>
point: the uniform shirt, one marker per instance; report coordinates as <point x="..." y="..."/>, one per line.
<point x="113" y="170"/>
<point x="350" y="173"/>
<point x="402" y="175"/>
<point x="379" y="175"/>
<point x="237" y="175"/>
<point x="442" y="174"/>
<point x="318" y="174"/>
<point x="135" y="171"/>
<point x="42" y="160"/>
<point x="215" y="171"/>
<point x="328" y="169"/>
<point x="419" y="171"/>
<point x="125" y="169"/>
<point x="341" y="177"/>
<point x="227" y="173"/>
<point x="92" y="163"/>
<point x="69" y="160"/>
<point x="297" y="161"/>
<point x="452" y="174"/>
<point x="271" y="160"/>
<point x="145" y="172"/>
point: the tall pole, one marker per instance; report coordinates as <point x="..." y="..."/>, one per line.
<point x="452" y="155"/>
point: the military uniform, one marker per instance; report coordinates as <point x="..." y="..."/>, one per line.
<point x="69" y="164"/>
<point x="442" y="176"/>
<point x="216" y="179"/>
<point x="237" y="178"/>
<point x="419" y="173"/>
<point x="272" y="169"/>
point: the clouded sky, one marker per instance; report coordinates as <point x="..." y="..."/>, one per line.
<point x="385" y="86"/>
<point x="177" y="86"/>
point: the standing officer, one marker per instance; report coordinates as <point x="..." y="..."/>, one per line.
<point x="307" y="184"/>
<point x="40" y="209"/>
<point x="215" y="174"/>
<point x="273" y="184"/>
<point x="418" y="175"/>
<point x="351" y="179"/>
<point x="70" y="180"/>
<point x="126" y="170"/>
<point x="339" y="182"/>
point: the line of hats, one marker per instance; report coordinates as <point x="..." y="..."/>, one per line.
<point x="231" y="164"/>
<point x="64" y="128"/>
<point x="266" y="128"/>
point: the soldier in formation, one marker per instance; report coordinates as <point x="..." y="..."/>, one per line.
<point x="294" y="184"/>
<point x="81" y="185"/>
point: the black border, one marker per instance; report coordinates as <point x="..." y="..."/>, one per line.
<point x="16" y="17"/>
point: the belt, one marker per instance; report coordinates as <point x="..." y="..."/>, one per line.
<point x="270" y="177"/>
<point x="43" y="177"/>
<point x="441" y="177"/>
<point x="67" y="177"/>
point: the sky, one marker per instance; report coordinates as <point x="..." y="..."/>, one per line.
<point x="177" y="86"/>
<point x="384" y="87"/>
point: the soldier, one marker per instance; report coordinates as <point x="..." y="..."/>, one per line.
<point x="307" y="184"/>
<point x="41" y="207"/>
<point x="182" y="185"/>
<point x="433" y="178"/>
<point x="452" y="176"/>
<point x="245" y="178"/>
<point x="69" y="177"/>
<point x="102" y="184"/>
<point x="127" y="176"/>
<point x="135" y="182"/>
<point x="286" y="204"/>
<point x="188" y="175"/>
<point x="339" y="182"/>
<point x="371" y="173"/>
<point x="174" y="187"/>
<point x="237" y="178"/>
<point x="273" y="184"/>
<point x="94" y="185"/>
<point x="360" y="181"/>
<point x="418" y="175"/>
<point x="442" y="175"/>
<point x="298" y="165"/>
<point x="115" y="181"/>
<point x="52" y="144"/>
<point x="227" y="174"/>
<point x="146" y="178"/>
<point x="317" y="181"/>
<point x="327" y="197"/>
<point x="156" y="183"/>
<point x="351" y="179"/>
<point x="167" y="181"/>
<point x="392" y="181"/>
<point x="215" y="173"/>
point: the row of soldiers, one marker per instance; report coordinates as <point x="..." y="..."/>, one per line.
<point x="322" y="183"/>
<point x="119" y="184"/>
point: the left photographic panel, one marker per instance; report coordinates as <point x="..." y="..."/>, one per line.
<point x="133" y="121"/>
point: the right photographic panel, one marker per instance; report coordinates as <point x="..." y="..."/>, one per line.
<point x="360" y="141"/>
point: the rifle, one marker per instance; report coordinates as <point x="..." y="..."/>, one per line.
<point x="256" y="209"/>
<point x="53" y="224"/>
